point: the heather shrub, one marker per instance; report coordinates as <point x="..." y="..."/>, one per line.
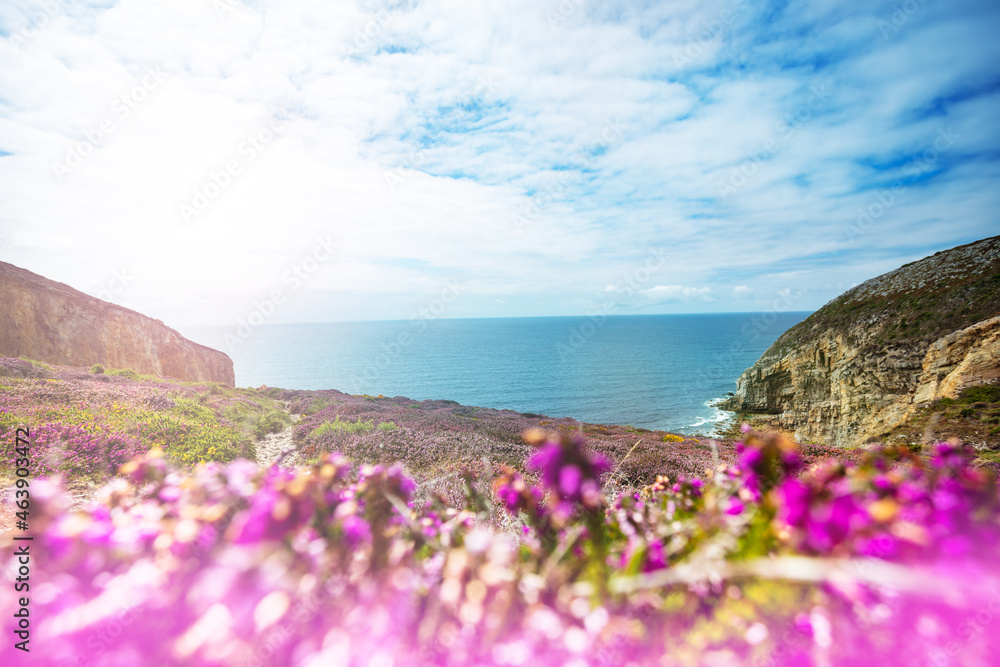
<point x="762" y="561"/>
<point x="8" y="422"/>
<point x="87" y="451"/>
<point x="97" y="369"/>
<point x="20" y="368"/>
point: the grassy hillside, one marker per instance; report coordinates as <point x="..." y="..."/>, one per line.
<point x="88" y="423"/>
<point x="912" y="306"/>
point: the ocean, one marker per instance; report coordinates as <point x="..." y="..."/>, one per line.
<point x="649" y="371"/>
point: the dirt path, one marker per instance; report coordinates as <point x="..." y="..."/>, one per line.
<point x="275" y="445"/>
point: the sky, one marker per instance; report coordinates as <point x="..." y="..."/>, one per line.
<point x="224" y="161"/>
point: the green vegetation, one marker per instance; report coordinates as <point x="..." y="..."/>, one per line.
<point x="187" y="408"/>
<point x="972" y="417"/>
<point x="37" y="364"/>
<point x="342" y="426"/>
<point x="987" y="393"/>
<point x="338" y="426"/>
<point x="190" y="440"/>
<point x="125" y="373"/>
<point x="191" y="422"/>
<point x="315" y="406"/>
<point x="921" y="315"/>
<point x="271" y="421"/>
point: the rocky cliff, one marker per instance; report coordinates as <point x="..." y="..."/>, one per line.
<point x="857" y="367"/>
<point x="52" y="322"/>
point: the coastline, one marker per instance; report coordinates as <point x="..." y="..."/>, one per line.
<point x="118" y="414"/>
<point x="655" y="371"/>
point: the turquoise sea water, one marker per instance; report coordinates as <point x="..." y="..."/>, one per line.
<point x="651" y="371"/>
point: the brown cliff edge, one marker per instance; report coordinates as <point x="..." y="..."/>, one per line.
<point x="866" y="362"/>
<point x="48" y="321"/>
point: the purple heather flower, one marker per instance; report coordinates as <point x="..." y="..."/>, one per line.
<point x="656" y="559"/>
<point x="356" y="530"/>
<point x="792" y="461"/>
<point x="751" y="458"/>
<point x="569" y="481"/>
<point x="566" y="467"/>
<point x="793" y="498"/>
<point x="734" y="506"/>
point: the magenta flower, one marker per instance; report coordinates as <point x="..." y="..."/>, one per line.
<point x="566" y="468"/>
<point x="734" y="506"/>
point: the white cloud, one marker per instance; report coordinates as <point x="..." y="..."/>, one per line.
<point x="677" y="293"/>
<point x="479" y="117"/>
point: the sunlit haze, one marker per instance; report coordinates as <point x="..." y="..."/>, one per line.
<point x="195" y="159"/>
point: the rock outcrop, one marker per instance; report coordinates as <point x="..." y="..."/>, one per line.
<point x="857" y="367"/>
<point x="48" y="321"/>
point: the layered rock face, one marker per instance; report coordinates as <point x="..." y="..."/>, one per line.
<point x="857" y="367"/>
<point x="52" y="322"/>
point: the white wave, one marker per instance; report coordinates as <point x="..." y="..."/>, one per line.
<point x="718" y="416"/>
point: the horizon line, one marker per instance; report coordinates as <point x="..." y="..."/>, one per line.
<point x="508" y="317"/>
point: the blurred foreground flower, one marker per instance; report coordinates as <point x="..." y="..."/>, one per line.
<point x="890" y="561"/>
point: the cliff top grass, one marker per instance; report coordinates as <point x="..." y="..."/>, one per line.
<point x="972" y="418"/>
<point x="86" y="424"/>
<point x="912" y="306"/>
